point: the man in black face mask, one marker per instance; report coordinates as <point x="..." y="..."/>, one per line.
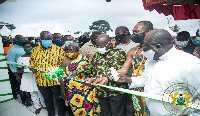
<point x="123" y="37"/>
<point x="140" y="30"/>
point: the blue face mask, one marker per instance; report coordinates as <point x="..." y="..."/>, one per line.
<point x="33" y="41"/>
<point x="197" y="40"/>
<point x="67" y="43"/>
<point x="58" y="42"/>
<point x="46" y="43"/>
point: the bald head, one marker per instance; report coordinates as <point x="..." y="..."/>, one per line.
<point x="102" y="40"/>
<point x="73" y="47"/>
<point x="158" y="36"/>
<point x="159" y="41"/>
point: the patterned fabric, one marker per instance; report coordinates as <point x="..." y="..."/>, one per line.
<point x="178" y="47"/>
<point x="100" y="67"/>
<point x="139" y="103"/>
<point x="45" y="59"/>
<point x="197" y="51"/>
<point x="88" y="49"/>
<point x="83" y="101"/>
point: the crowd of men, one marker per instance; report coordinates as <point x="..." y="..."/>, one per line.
<point x="147" y="60"/>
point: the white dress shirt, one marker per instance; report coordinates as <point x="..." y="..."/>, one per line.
<point x="175" y="66"/>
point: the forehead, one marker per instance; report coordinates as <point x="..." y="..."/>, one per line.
<point x="71" y="47"/>
<point x="139" y="26"/>
<point x="57" y="35"/>
<point x="119" y="30"/>
<point x="46" y="35"/>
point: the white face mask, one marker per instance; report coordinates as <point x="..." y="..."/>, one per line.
<point x="149" y="54"/>
<point x="181" y="43"/>
<point x="102" y="50"/>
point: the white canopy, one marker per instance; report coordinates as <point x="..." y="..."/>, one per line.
<point x="193" y="31"/>
<point x="24" y="31"/>
<point x="58" y="29"/>
<point x="38" y="30"/>
<point x="173" y="34"/>
<point x="4" y="30"/>
<point x="110" y="33"/>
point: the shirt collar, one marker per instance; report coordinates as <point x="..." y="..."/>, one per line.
<point x="167" y="54"/>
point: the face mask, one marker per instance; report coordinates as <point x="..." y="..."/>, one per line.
<point x="20" y="42"/>
<point x="181" y="43"/>
<point x="67" y="43"/>
<point x="46" y="43"/>
<point x="77" y="44"/>
<point x="72" y="55"/>
<point x="58" y="42"/>
<point x="28" y="51"/>
<point x="102" y="50"/>
<point x="119" y="38"/>
<point x="149" y="54"/>
<point x="197" y="40"/>
<point x="33" y="41"/>
<point x="138" y="38"/>
<point x="6" y="42"/>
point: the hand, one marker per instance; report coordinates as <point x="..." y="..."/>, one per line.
<point x="123" y="77"/>
<point x="18" y="78"/>
<point x="33" y="70"/>
<point x="101" y="81"/>
<point x="90" y="80"/>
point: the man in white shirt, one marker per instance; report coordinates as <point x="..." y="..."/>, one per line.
<point x="166" y="66"/>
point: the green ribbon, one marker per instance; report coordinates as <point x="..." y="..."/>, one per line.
<point x="3" y="68"/>
<point x="2" y="60"/>
<point x="2" y="54"/>
<point x="3" y="80"/>
<point x="6" y="100"/>
<point x="6" y="94"/>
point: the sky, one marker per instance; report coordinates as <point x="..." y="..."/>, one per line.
<point x="78" y="15"/>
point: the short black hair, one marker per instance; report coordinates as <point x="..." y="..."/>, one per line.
<point x="147" y="25"/>
<point x="27" y="42"/>
<point x="183" y="33"/>
<point x="124" y="28"/>
<point x="45" y="32"/>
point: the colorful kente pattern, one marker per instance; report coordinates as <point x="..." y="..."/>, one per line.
<point x="139" y="103"/>
<point x="178" y="47"/>
<point x="197" y="51"/>
<point x="82" y="100"/>
<point x="100" y="67"/>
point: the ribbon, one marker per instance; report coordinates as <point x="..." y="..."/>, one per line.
<point x="59" y="73"/>
<point x="2" y="60"/>
<point x="2" y="54"/>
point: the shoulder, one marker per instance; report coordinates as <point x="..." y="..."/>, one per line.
<point x="132" y="51"/>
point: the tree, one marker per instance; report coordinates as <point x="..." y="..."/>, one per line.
<point x="101" y="26"/>
<point x="175" y="28"/>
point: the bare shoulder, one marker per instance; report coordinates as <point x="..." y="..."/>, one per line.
<point x="131" y="52"/>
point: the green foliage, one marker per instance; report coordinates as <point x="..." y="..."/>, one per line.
<point x="101" y="26"/>
<point x="77" y="32"/>
<point x="175" y="28"/>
